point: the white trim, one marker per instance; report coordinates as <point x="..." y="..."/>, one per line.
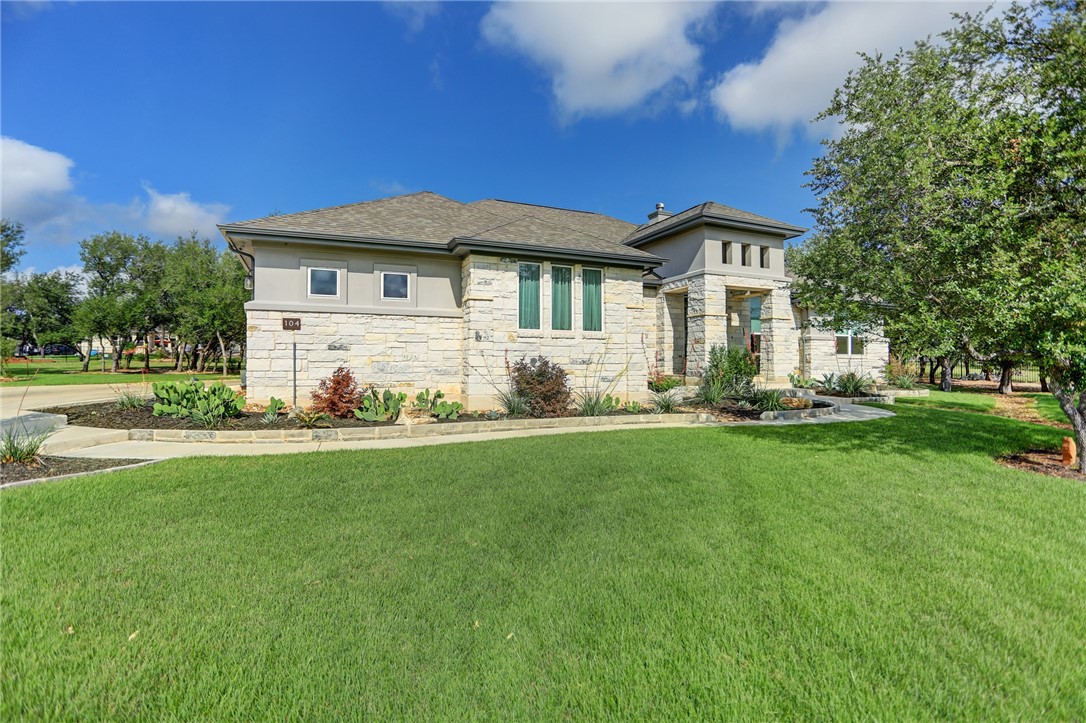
<point x="309" y="282"/>
<point x="406" y="275"/>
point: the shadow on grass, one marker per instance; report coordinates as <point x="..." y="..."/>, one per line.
<point x="917" y="431"/>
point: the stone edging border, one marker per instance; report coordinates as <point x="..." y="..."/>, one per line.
<point x="89" y="473"/>
<point x="443" y="429"/>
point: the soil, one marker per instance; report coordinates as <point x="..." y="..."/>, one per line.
<point x="1043" y="461"/>
<point x="55" y="466"/>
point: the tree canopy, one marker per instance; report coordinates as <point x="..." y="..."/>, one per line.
<point x="952" y="206"/>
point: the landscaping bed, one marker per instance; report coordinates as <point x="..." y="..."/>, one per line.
<point x="106" y="416"/>
<point x="48" y="466"/>
<point x="1042" y="461"/>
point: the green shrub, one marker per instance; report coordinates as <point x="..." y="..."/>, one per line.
<point x="597" y="404"/>
<point x="542" y="385"/>
<point x="661" y="382"/>
<point x="729" y="373"/>
<point x="22" y="446"/>
<point x="384" y="407"/>
<point x="852" y="384"/>
<point x="512" y="403"/>
<point x="271" y="412"/>
<point x="798" y="381"/>
<point x="447" y="410"/>
<point x="711" y="392"/>
<point x="664" y="402"/>
<point x="311" y="418"/>
<point x="766" y="400"/>
<point x="186" y="398"/>
<point x="633" y="407"/>
<point x="126" y="399"/>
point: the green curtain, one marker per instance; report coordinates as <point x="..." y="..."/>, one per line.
<point x="529" y="296"/>
<point x="593" y="299"/>
<point x="561" y="298"/>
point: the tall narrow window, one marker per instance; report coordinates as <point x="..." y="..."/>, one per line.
<point x="592" y="297"/>
<point x="746" y="254"/>
<point x="756" y="330"/>
<point x="726" y="252"/>
<point x="529" y="296"/>
<point x="763" y="257"/>
<point x="561" y="298"/>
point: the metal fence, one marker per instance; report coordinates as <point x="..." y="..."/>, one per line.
<point x="963" y="368"/>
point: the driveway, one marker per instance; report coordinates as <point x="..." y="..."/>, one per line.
<point x="16" y="399"/>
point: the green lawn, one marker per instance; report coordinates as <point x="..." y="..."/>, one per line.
<point x="1049" y="407"/>
<point x="956" y="400"/>
<point x="885" y="569"/>
<point x="67" y="370"/>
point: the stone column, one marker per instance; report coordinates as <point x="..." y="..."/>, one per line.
<point x="780" y="338"/>
<point x="706" y="320"/>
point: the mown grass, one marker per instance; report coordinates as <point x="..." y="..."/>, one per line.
<point x="57" y="371"/>
<point x="1049" y="407"/>
<point x="955" y="400"/>
<point x="885" y="569"/>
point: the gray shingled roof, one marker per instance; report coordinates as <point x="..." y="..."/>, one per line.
<point x="711" y="209"/>
<point x="429" y="217"/>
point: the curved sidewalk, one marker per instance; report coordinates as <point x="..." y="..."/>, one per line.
<point x="166" y="450"/>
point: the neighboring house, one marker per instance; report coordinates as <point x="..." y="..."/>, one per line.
<point x="421" y="291"/>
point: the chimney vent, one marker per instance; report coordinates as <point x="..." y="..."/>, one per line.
<point x="659" y="214"/>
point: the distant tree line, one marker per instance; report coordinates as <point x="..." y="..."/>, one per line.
<point x="185" y="298"/>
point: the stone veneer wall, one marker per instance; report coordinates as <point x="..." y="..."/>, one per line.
<point x="388" y="350"/>
<point x="820" y="355"/>
<point x="618" y="358"/>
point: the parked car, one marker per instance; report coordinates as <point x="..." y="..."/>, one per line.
<point x="61" y="350"/>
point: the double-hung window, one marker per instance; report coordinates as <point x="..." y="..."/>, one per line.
<point x="849" y="342"/>
<point x="592" y="299"/>
<point x="323" y="282"/>
<point x="529" y="293"/>
<point x="561" y="298"/>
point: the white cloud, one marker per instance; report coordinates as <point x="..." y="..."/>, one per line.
<point x="33" y="180"/>
<point x="811" y="55"/>
<point x="175" y="214"/>
<point x="604" y="57"/>
<point x="415" y="13"/>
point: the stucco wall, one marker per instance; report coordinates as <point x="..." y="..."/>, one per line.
<point x="280" y="279"/>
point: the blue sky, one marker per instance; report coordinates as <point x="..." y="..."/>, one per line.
<point x="160" y="117"/>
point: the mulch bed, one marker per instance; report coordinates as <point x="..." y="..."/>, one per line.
<point x="1043" y="461"/>
<point x="105" y="416"/>
<point x="55" y="466"/>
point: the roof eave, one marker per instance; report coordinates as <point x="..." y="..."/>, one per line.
<point x="643" y="261"/>
<point x="310" y="237"/>
<point x="785" y="231"/>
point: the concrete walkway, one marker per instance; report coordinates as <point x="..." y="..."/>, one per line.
<point x="13" y="400"/>
<point x="165" y="450"/>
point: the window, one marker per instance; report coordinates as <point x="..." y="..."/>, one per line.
<point x="746" y="254"/>
<point x="763" y="257"/>
<point x="849" y="342"/>
<point x="323" y="282"/>
<point x="592" y="300"/>
<point x="529" y="293"/>
<point x="726" y="252"/>
<point x="394" y="285"/>
<point x="561" y="298"/>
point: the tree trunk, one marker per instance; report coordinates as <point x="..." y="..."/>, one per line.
<point x="128" y="361"/>
<point x="967" y="367"/>
<point x="946" y="383"/>
<point x="179" y="352"/>
<point x="1044" y="383"/>
<point x="1077" y="415"/>
<point x="86" y="357"/>
<point x="116" y="342"/>
<point x="147" y="344"/>
<point x="923" y="364"/>
<point x="931" y="372"/>
<point x="1006" y="373"/>
<point x="222" y="349"/>
<point x="987" y="373"/>
<point x="201" y="358"/>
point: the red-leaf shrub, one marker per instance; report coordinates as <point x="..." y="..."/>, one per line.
<point x="542" y="385"/>
<point x="337" y="395"/>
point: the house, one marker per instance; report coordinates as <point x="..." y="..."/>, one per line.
<point x="420" y="290"/>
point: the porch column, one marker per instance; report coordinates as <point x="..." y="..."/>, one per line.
<point x="706" y="320"/>
<point x="780" y="339"/>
